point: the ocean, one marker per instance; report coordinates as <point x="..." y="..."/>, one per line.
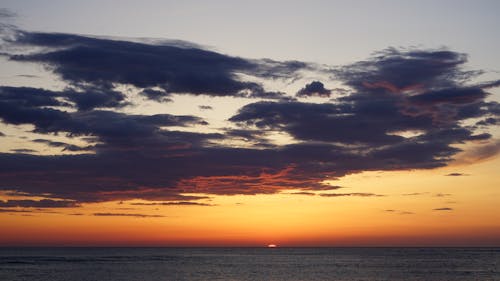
<point x="343" y="264"/>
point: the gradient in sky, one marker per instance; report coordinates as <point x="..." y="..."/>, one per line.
<point x="335" y="123"/>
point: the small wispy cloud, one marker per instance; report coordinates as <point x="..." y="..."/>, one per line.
<point x="359" y="194"/>
<point x="127" y="215"/>
<point x="442" y="195"/>
<point x="3" y="210"/>
<point x="28" y="76"/>
<point x="415" y="194"/>
<point x="303" y="193"/>
<point x="178" y="203"/>
<point x="399" y="212"/>
<point x="205" y="107"/>
<point x="456" y="175"/>
<point x="443" y="209"/>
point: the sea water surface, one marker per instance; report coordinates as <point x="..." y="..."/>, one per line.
<point x="345" y="264"/>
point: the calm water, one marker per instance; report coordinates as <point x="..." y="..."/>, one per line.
<point x="143" y="264"/>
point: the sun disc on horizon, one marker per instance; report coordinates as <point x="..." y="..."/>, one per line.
<point x="272" y="246"/>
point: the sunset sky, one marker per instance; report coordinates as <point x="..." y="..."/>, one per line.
<point x="221" y="123"/>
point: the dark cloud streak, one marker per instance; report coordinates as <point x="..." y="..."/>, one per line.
<point x="455" y="175"/>
<point x="44" y="203"/>
<point x="178" y="203"/>
<point x="127" y="215"/>
<point x="356" y="194"/>
<point x="443" y="209"/>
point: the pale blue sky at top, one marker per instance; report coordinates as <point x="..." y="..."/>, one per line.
<point x="331" y="32"/>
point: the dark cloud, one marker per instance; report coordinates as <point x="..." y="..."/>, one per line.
<point x="110" y="124"/>
<point x="30" y="106"/>
<point x="44" y="203"/>
<point x="314" y="88"/>
<point x="162" y="174"/>
<point x="127" y="215"/>
<point x="328" y="123"/>
<point x="394" y="70"/>
<point x="29" y="97"/>
<point x="309" y="121"/>
<point x="40" y="117"/>
<point x="156" y="95"/>
<point x="443" y="209"/>
<point x="91" y="99"/>
<point x="25" y="105"/>
<point x="105" y="176"/>
<point x="103" y="62"/>
<point x="172" y="67"/>
<point x="394" y="93"/>
<point x="86" y="99"/>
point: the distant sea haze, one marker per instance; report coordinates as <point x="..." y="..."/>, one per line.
<point x="342" y="264"/>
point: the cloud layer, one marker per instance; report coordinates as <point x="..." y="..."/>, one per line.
<point x="405" y="109"/>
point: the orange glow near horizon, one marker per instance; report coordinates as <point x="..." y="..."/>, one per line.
<point x="419" y="208"/>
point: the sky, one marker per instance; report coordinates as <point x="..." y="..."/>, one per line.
<point x="318" y="123"/>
